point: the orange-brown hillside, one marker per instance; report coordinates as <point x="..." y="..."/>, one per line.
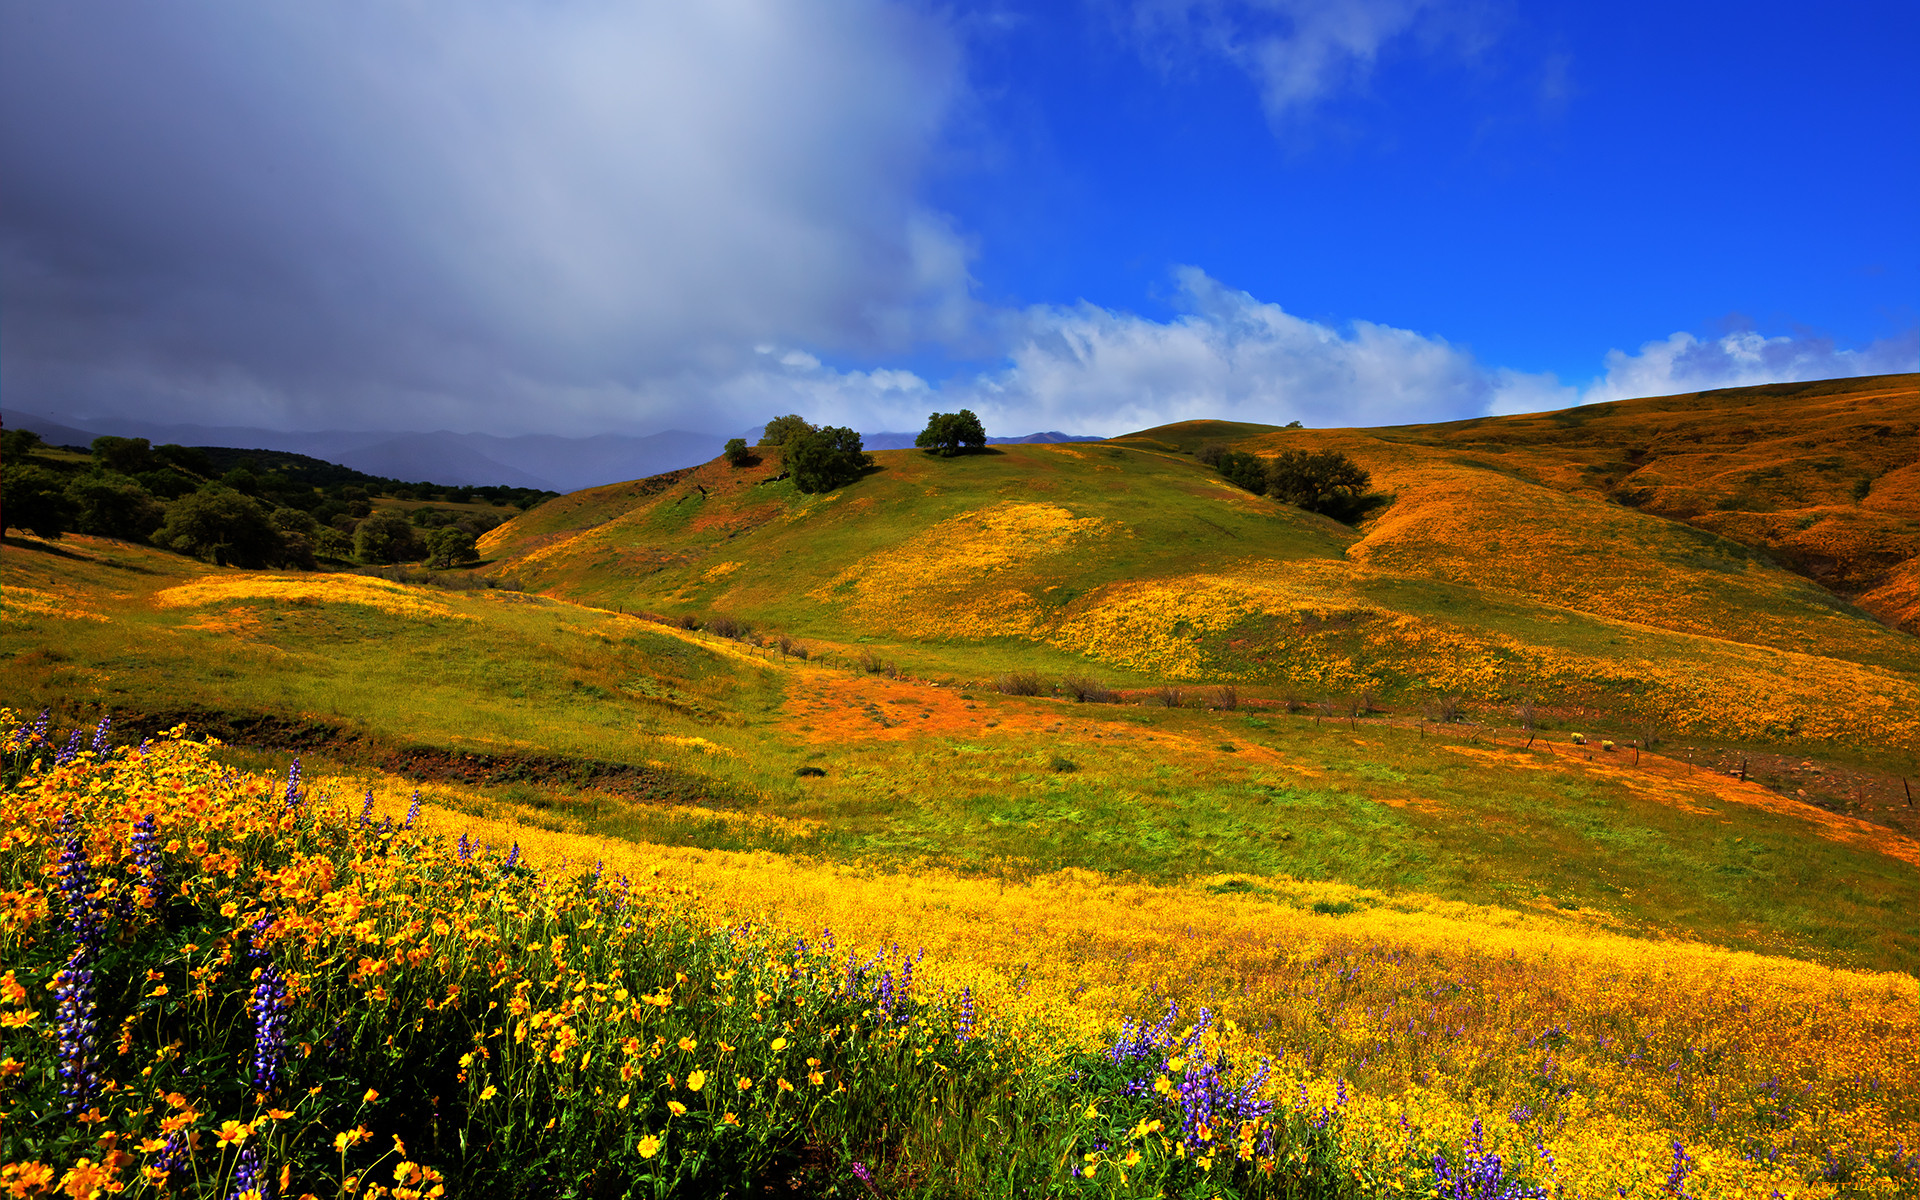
<point x="1823" y="477"/>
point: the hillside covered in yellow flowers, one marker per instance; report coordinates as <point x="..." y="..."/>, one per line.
<point x="1552" y="814"/>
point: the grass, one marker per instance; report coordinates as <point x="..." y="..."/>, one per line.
<point x="1398" y="906"/>
<point x="1501" y="574"/>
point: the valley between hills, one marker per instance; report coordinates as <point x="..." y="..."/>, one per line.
<point x="1562" y="800"/>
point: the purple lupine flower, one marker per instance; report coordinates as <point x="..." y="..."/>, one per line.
<point x="366" y="807"/>
<point x="1676" y="1184"/>
<point x="1482" y="1175"/>
<point x="40" y="726"/>
<point x="466" y="849"/>
<point x="146" y="857"/>
<point x="885" y="995"/>
<point x="79" y="1030"/>
<point x="250" y="1181"/>
<point x="963" y="1028"/>
<point x="293" y="784"/>
<point x="269" y="1009"/>
<point x="512" y="861"/>
<point x="865" y="1176"/>
<point x="173" y="1158"/>
<point x="71" y="752"/>
<point x="413" y="809"/>
<point x="75" y="878"/>
<point x="100" y="735"/>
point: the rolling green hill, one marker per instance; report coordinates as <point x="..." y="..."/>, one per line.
<point x="1502" y="569"/>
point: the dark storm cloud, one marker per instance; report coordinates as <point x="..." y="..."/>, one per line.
<point x="500" y="214"/>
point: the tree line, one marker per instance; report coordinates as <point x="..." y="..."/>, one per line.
<point x="256" y="508"/>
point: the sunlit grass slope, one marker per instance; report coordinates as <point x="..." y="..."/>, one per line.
<point x="269" y="986"/>
<point x="1499" y="569"/>
<point x="603" y="724"/>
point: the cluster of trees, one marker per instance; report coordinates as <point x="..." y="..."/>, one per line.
<point x="818" y="459"/>
<point x="1325" y="481"/>
<point x="252" y="509"/>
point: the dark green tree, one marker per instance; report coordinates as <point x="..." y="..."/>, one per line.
<point x="782" y="430"/>
<point x="1246" y="470"/>
<point x="1325" y="481"/>
<point x="188" y="458"/>
<point x="451" y="547"/>
<point x="222" y="526"/>
<point x="947" y="434"/>
<point x="385" y="537"/>
<point x="16" y="444"/>
<point x="826" y="459"/>
<point x="737" y="453"/>
<point x="35" y="499"/>
<point x="127" y="456"/>
<point x="108" y="504"/>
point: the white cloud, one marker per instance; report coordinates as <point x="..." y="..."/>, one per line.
<point x="1684" y="363"/>
<point x="1296" y="52"/>
<point x="1091" y="370"/>
<point x="1087" y="369"/>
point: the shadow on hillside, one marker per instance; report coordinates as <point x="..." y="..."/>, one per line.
<point x="42" y="546"/>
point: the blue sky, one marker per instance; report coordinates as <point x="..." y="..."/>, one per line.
<point x="577" y="215"/>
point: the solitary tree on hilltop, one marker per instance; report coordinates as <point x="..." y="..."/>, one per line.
<point x="737" y="453"/>
<point x="947" y="434"/>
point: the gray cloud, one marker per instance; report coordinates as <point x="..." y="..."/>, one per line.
<point x="483" y="213"/>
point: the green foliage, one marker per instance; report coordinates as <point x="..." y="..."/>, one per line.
<point x="221" y="526"/>
<point x="826" y="459"/>
<point x="452" y="548"/>
<point x="35" y="499"/>
<point x="109" y="504"/>
<point x="187" y="458"/>
<point x="1245" y="470"/>
<point x="16" y="444"/>
<point x="782" y="430"/>
<point x="128" y="456"/>
<point x="737" y="453"/>
<point x="947" y="434"/>
<point x="385" y="537"/>
<point x="1325" y="482"/>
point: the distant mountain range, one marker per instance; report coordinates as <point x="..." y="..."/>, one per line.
<point x="558" y="464"/>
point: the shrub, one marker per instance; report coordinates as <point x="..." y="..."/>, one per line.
<point x="1325" y="482"/>
<point x="728" y="627"/>
<point x="1063" y="764"/>
<point x="826" y="459"/>
<point x="1167" y="697"/>
<point x="871" y="662"/>
<point x="1211" y="454"/>
<point x="689" y="622"/>
<point x="947" y="434"/>
<point x="1020" y="683"/>
<point x="737" y="453"/>
<point x="1088" y="691"/>
<point x="1226" y="698"/>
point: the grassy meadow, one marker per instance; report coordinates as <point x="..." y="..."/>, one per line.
<point x="550" y="854"/>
